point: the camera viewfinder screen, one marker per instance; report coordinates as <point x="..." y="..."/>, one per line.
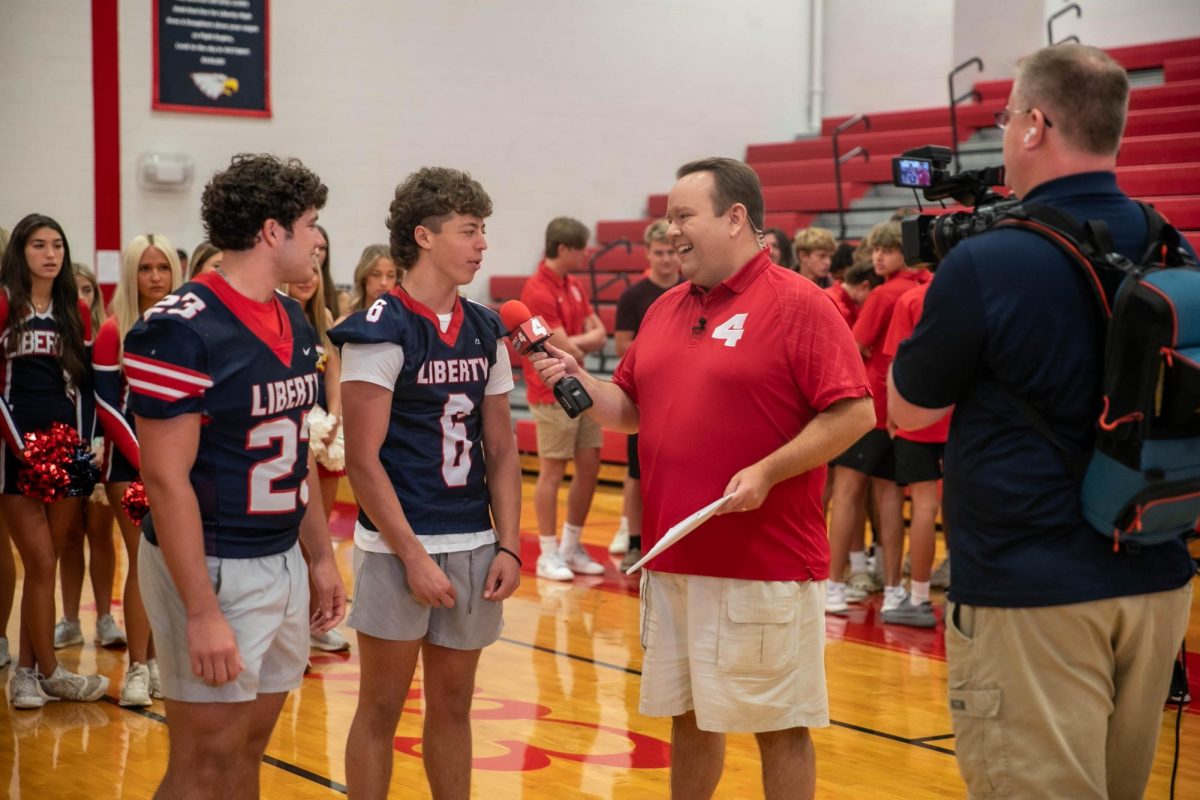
<point x="915" y="172"/>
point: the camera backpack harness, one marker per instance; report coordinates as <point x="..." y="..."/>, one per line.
<point x="1141" y="481"/>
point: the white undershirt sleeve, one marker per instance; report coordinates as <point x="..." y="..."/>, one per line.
<point x="500" y="379"/>
<point x="377" y="363"/>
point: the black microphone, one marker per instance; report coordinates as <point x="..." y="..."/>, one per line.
<point x="699" y="327"/>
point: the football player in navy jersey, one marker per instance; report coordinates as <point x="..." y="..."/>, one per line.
<point x="433" y="462"/>
<point x="222" y="373"/>
<point x="45" y="377"/>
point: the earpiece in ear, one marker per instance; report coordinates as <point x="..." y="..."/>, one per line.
<point x="1029" y="134"/>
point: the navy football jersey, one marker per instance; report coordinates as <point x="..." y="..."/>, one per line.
<point x="433" y="452"/>
<point x="203" y="349"/>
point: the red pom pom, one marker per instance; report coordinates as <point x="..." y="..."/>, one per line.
<point x="135" y="503"/>
<point x="57" y="465"/>
<point x="44" y="481"/>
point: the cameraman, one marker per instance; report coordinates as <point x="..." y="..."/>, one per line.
<point x="1058" y="650"/>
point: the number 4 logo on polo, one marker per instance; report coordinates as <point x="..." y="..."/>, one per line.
<point x="731" y="330"/>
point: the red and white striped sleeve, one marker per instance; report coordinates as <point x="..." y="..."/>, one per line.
<point x="110" y="406"/>
<point x="166" y="367"/>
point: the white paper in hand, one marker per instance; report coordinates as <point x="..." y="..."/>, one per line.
<point x="680" y="530"/>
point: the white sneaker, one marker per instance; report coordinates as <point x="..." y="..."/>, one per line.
<point x="135" y="691"/>
<point x="835" y="598"/>
<point x="155" y="682"/>
<point x="5" y="658"/>
<point x="552" y="567"/>
<point x="24" y="691"/>
<point x="330" y="641"/>
<point x="108" y="632"/>
<point x="67" y="633"/>
<point x="579" y="562"/>
<point x="893" y="598"/>
<point x="620" y="542"/>
<point x="66" y="685"/>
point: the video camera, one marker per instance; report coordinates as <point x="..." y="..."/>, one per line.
<point x="927" y="239"/>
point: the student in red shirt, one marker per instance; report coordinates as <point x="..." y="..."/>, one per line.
<point x="814" y="248"/>
<point x="919" y="467"/>
<point x="871" y="459"/>
<point x="851" y="291"/>
<point x="561" y="301"/>
<point x="741" y="383"/>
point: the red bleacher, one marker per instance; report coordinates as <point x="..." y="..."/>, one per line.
<point x="1159" y="162"/>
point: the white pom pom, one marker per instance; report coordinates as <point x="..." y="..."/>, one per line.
<point x="335" y="455"/>
<point x="320" y="424"/>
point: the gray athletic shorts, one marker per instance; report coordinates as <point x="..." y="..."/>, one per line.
<point x="385" y="608"/>
<point x="265" y="601"/>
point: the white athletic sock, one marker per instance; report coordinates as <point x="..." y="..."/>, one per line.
<point x="570" y="537"/>
<point x="624" y="526"/>
<point x="920" y="592"/>
<point x="894" y="591"/>
<point x="549" y="545"/>
<point x="858" y="561"/>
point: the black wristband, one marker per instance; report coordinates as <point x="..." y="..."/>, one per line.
<point x="516" y="557"/>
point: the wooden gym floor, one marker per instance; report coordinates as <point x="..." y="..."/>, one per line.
<point x="555" y="714"/>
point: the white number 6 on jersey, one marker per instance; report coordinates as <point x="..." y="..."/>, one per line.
<point x="376" y="310"/>
<point x="731" y="330"/>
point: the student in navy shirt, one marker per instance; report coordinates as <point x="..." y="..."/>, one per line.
<point x="1059" y="650"/>
<point x="433" y="461"/>
<point x="222" y="373"/>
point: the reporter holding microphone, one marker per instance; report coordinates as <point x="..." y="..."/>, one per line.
<point x="743" y="381"/>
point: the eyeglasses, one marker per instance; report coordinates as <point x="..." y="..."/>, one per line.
<point x="1004" y="116"/>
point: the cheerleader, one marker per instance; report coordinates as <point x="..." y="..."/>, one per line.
<point x="375" y="275"/>
<point x="325" y="418"/>
<point x="150" y="270"/>
<point x="45" y="333"/>
<point x="205" y="258"/>
<point x="96" y="526"/>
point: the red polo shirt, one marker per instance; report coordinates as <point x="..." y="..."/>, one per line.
<point x="722" y="379"/>
<point x="871" y="329"/>
<point x="562" y="302"/>
<point x="904" y="322"/>
<point x="844" y="302"/>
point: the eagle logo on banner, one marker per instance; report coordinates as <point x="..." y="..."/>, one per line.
<point x="215" y="84"/>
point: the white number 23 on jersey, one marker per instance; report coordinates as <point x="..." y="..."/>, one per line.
<point x="731" y="330"/>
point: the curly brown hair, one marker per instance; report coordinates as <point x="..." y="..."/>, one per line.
<point x="255" y="188"/>
<point x="429" y="197"/>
